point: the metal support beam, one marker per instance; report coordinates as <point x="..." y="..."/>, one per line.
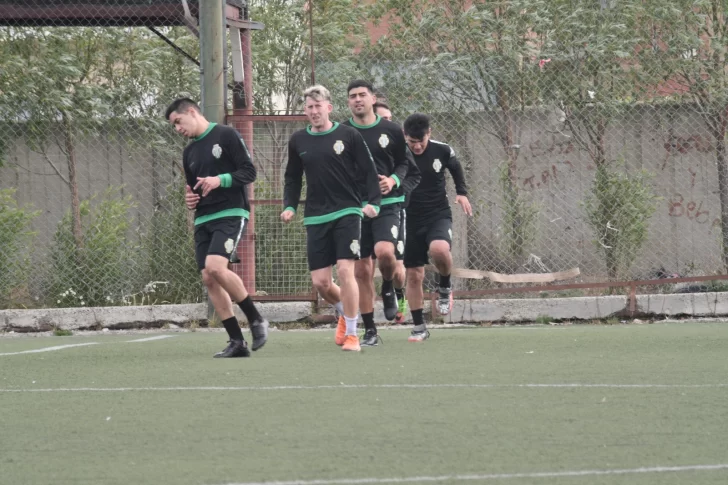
<point x="212" y="37"/>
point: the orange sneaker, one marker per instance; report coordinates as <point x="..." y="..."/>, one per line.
<point x="351" y="344"/>
<point x="340" y="331"/>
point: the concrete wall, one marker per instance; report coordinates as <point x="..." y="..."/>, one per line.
<point x="555" y="173"/>
<point x="552" y="171"/>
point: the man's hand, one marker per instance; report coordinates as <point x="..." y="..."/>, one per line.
<point x="386" y="184"/>
<point x="369" y="211"/>
<point x="191" y="199"/>
<point x="465" y="203"/>
<point x="287" y="215"/>
<point x="208" y="184"/>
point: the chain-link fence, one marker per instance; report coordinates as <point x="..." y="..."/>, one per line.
<point x="90" y="173"/>
<point x="592" y="133"/>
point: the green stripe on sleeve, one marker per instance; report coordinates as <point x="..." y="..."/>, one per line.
<point x="226" y="180"/>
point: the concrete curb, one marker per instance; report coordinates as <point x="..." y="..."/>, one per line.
<point x="464" y="311"/>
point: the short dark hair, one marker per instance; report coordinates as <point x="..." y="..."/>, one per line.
<point x="360" y="83"/>
<point x="381" y="104"/>
<point x="180" y="105"/>
<point x="417" y="125"/>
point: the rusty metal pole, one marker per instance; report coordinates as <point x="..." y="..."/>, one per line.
<point x="247" y="257"/>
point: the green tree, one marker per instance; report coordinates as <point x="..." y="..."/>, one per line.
<point x="475" y="64"/>
<point x="590" y="76"/>
<point x="108" y="267"/>
<point x="61" y="85"/>
<point x="686" y="54"/>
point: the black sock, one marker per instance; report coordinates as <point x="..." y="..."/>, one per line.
<point x="233" y="328"/>
<point x="417" y="317"/>
<point x="399" y="292"/>
<point x="251" y="313"/>
<point x="368" y="319"/>
<point x="444" y="281"/>
<point x="386" y="285"/>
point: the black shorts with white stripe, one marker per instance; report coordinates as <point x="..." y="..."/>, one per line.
<point x="219" y="237"/>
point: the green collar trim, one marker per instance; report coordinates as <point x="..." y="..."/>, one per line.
<point x="356" y="125"/>
<point x="320" y="133"/>
<point x="208" y="130"/>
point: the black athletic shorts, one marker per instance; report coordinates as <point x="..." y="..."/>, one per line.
<point x="419" y="236"/>
<point x="402" y="238"/>
<point x="384" y="227"/>
<point x="328" y="242"/>
<point x="219" y="237"/>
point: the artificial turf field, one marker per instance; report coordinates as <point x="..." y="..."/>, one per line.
<point x="636" y="404"/>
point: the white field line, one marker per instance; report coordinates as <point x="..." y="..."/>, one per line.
<point x="61" y="347"/>
<point x="149" y="339"/>
<point x="375" y="386"/>
<point x="50" y="349"/>
<point x="496" y="476"/>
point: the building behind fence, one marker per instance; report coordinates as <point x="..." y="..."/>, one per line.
<point x="593" y="137"/>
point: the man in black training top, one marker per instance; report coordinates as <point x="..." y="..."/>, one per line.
<point x="334" y="158"/>
<point x="379" y="235"/>
<point x="429" y="218"/>
<point x="218" y="169"/>
<point x="382" y="109"/>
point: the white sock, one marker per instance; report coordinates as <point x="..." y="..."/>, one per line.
<point x="339" y="307"/>
<point x="351" y="325"/>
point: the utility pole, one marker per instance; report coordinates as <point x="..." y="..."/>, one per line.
<point x="212" y="38"/>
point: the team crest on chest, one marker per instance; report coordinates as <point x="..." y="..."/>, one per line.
<point x="383" y="140"/>
<point x="437" y="165"/>
<point x="339" y="147"/>
<point x="216" y="151"/>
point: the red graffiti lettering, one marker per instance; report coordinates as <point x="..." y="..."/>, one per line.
<point x="678" y="207"/>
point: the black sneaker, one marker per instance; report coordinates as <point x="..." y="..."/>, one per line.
<point x="259" y="330"/>
<point x="370" y="338"/>
<point x="235" y="348"/>
<point x="389" y="299"/>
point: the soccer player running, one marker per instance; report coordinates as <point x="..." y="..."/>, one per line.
<point x="382" y="109"/>
<point x="379" y="235"/>
<point x="218" y="170"/>
<point x="334" y="158"/>
<point x="429" y="219"/>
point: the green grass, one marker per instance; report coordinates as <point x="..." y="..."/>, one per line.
<point x="308" y="432"/>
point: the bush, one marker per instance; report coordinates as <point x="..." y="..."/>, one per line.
<point x="618" y="210"/>
<point x="15" y="241"/>
<point x="106" y="267"/>
<point x="172" y="275"/>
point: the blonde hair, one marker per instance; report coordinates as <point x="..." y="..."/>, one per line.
<point x="317" y="93"/>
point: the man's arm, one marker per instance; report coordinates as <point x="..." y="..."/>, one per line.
<point x="413" y="174"/>
<point x="366" y="170"/>
<point x="458" y="174"/>
<point x="189" y="176"/>
<point x="244" y="172"/>
<point x="401" y="162"/>
<point x="293" y="179"/>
